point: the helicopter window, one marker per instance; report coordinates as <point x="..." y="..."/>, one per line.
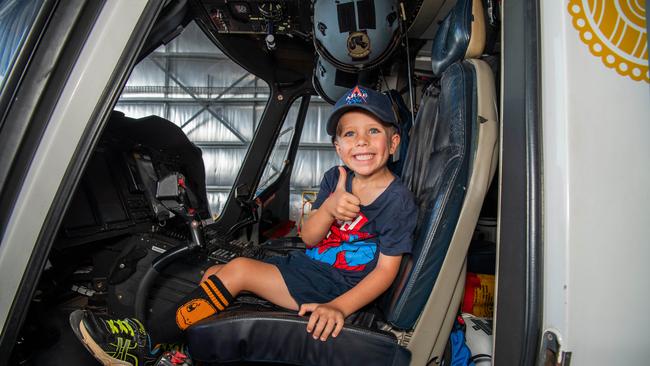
<point x="218" y="104"/>
<point x="278" y="159"/>
<point x="16" y="20"/>
<point x="315" y="155"/>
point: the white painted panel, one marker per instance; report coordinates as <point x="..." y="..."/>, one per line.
<point x="596" y="124"/>
<point x="81" y="94"/>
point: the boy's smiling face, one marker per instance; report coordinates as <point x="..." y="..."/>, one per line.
<point x="364" y="143"/>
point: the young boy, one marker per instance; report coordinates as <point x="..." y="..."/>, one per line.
<point x="361" y="224"/>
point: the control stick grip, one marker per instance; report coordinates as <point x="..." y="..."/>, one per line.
<point x="197" y="234"/>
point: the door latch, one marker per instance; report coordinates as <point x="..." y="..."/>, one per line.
<point x="551" y="352"/>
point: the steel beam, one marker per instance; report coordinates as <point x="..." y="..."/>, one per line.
<point x="323" y="146"/>
<point x="213" y="113"/>
<point x="199" y="101"/>
<point x="191" y="56"/>
<point x="216" y="98"/>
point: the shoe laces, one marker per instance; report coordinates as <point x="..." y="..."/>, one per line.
<point x="120" y="326"/>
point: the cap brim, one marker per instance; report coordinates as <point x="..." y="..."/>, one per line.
<point x="334" y="117"/>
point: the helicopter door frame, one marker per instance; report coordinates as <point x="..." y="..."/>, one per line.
<point x="519" y="294"/>
<point x="83" y="84"/>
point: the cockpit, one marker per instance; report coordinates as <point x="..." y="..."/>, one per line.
<point x="215" y="148"/>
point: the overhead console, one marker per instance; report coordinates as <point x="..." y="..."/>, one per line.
<point x="260" y="17"/>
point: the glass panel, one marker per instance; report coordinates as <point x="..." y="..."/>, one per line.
<point x="16" y="19"/>
<point x="191" y="83"/>
<point x="315" y="155"/>
<point x="278" y="158"/>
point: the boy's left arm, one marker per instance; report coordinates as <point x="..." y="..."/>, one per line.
<point x="329" y="318"/>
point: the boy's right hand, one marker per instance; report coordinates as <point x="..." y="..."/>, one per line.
<point x="342" y="205"/>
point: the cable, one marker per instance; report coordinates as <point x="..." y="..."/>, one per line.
<point x="408" y="60"/>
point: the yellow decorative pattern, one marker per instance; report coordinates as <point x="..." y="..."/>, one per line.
<point x="615" y="31"/>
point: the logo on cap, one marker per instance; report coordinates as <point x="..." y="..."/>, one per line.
<point x="356" y="96"/>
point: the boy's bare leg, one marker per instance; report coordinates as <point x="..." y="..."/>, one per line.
<point x="220" y="285"/>
<point x="262" y="279"/>
<point x="212" y="271"/>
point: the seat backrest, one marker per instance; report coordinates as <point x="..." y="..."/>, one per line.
<point x="450" y="162"/>
<point x="436" y="318"/>
<point x="436" y="172"/>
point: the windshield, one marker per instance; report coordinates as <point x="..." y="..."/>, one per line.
<point x="217" y="104"/>
<point x="16" y="19"/>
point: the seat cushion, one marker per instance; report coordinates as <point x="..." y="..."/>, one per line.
<point x="282" y="337"/>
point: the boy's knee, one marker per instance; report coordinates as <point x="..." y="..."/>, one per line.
<point x="213" y="270"/>
<point x="237" y="267"/>
<point x="238" y="263"/>
<point x="235" y="274"/>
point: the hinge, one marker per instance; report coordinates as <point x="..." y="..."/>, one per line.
<point x="551" y="352"/>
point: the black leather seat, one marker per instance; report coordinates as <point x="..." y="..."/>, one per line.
<point x="281" y="337"/>
<point x="449" y="165"/>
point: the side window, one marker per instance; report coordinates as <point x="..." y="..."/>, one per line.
<point x="218" y="105"/>
<point x="16" y="19"/>
<point x="315" y="155"/>
<point x="278" y="157"/>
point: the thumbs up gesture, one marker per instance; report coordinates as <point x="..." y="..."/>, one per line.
<point x="342" y="205"/>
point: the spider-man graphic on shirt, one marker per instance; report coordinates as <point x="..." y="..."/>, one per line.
<point x="346" y="246"/>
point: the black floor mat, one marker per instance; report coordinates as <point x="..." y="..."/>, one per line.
<point x="52" y="342"/>
<point x="49" y="341"/>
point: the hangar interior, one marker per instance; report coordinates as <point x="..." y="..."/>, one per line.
<point x="128" y="249"/>
<point x="218" y="105"/>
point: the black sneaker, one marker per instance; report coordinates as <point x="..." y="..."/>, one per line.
<point x="113" y="341"/>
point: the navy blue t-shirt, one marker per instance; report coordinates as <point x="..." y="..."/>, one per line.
<point x="385" y="226"/>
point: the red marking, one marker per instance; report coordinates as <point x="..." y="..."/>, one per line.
<point x="280" y="230"/>
<point x="343" y="264"/>
<point x="333" y="239"/>
<point x="347" y="226"/>
<point x="178" y="358"/>
<point x="460" y="320"/>
<point x="472" y="282"/>
<point x="338" y="235"/>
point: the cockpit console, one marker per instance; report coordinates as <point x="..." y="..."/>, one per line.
<point x="290" y="17"/>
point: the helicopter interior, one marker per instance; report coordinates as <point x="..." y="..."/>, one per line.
<point x="138" y="232"/>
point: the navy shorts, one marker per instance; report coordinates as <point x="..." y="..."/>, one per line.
<point x="309" y="280"/>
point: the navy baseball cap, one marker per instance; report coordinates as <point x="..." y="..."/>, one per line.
<point x="360" y="97"/>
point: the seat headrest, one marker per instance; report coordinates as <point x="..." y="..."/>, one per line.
<point x="460" y="35"/>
